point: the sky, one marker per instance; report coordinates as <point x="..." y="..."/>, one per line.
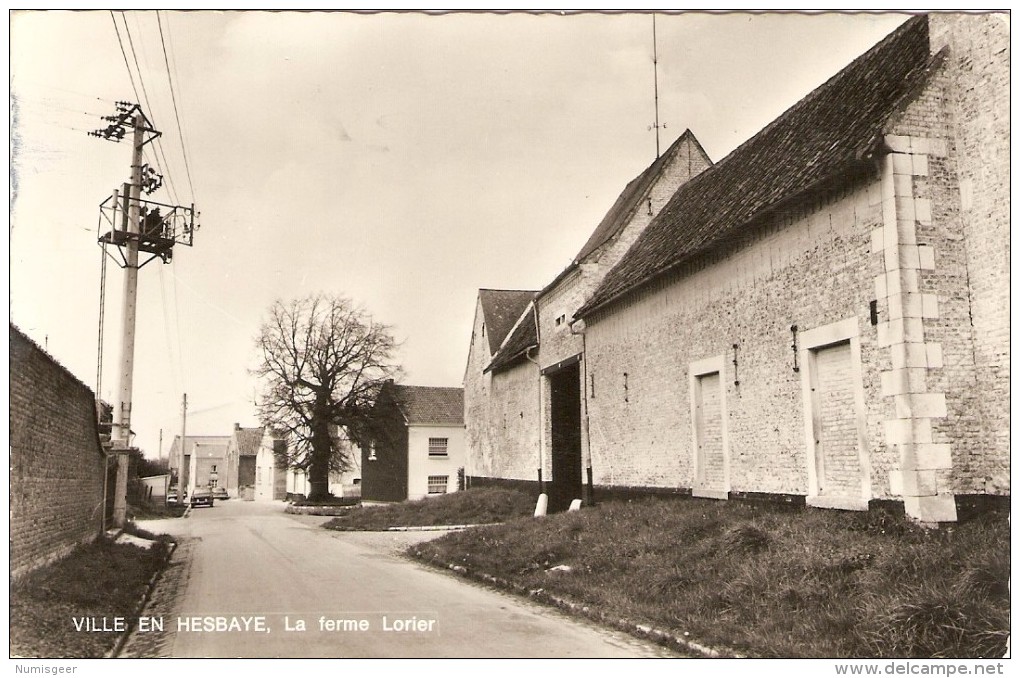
<point x="403" y="160"/>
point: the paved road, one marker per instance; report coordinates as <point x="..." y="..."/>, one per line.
<point x="247" y="564"/>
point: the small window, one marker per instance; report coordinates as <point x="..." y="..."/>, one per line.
<point x="437" y="447"/>
<point x="214" y="468"/>
<point x="371" y="452"/>
<point x="437" y="484"/>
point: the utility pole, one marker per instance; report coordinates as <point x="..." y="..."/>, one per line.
<point x="121" y="430"/>
<point x="136" y="225"/>
<point x="160" y="457"/>
<point x="184" y="439"/>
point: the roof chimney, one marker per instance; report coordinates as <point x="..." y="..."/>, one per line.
<point x="237" y="426"/>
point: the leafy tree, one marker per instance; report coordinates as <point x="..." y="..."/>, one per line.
<point x="322" y="362"/>
<point x="151" y="467"/>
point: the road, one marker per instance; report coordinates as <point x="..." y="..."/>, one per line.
<point x="262" y="576"/>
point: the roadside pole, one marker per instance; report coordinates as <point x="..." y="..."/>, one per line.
<point x="121" y="430"/>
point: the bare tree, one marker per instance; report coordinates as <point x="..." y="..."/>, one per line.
<point x="323" y="360"/>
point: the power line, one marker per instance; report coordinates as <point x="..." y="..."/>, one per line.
<point x="123" y="52"/>
<point x="148" y="106"/>
<point x="159" y="146"/>
<point x="173" y="97"/>
<point x="177" y="319"/>
<point x="174" y="364"/>
<point x="49" y="104"/>
<point x="134" y="55"/>
<point x="36" y="83"/>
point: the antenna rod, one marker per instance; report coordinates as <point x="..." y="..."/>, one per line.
<point x="655" y="70"/>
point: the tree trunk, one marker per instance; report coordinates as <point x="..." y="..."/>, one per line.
<point x="318" y="470"/>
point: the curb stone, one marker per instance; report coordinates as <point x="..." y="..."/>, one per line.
<point x="436" y="528"/>
<point x="645" y="631"/>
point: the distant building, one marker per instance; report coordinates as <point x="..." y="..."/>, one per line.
<point x="270" y="471"/>
<point x="212" y="453"/>
<point x="242" y="450"/>
<point x="346" y="484"/>
<point x="416" y="448"/>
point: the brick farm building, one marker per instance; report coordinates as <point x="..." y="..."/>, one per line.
<point x="822" y="315"/>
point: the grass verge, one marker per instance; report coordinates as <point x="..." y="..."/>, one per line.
<point x="155" y="511"/>
<point x="470" y="507"/>
<point x="99" y="580"/>
<point x="329" y="501"/>
<point x="763" y="580"/>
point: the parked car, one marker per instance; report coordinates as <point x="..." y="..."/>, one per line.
<point x="171" y="497"/>
<point x="202" y="496"/>
<point x="220" y="493"/>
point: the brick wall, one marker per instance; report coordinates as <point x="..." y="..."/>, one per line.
<point x="57" y="466"/>
<point x="808" y="268"/>
<point x="977" y="98"/>
<point x="476" y="399"/>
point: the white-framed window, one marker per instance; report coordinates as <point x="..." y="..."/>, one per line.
<point x="437" y="484"/>
<point x="438" y="447"/>
<point x="371" y="452"/>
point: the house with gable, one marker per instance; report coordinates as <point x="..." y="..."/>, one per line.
<point x="242" y="449"/>
<point x="416" y="443"/>
<point x="524" y="407"/>
<point x="487" y="414"/>
<point x="198" y="462"/>
<point x="823" y="314"/>
<point x="270" y="467"/>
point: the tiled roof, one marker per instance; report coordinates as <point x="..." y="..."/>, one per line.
<point x="618" y="215"/>
<point x="830" y="132"/>
<point x="208" y="441"/>
<point x="430" y="404"/>
<point x="500" y="310"/>
<point x="248" y="441"/>
<point x="524" y="336"/>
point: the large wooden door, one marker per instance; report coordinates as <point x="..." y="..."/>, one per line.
<point x="708" y="434"/>
<point x="837" y="454"/>
<point x="565" y="390"/>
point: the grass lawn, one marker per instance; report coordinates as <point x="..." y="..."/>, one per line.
<point x="470" y="507"/>
<point x="764" y="580"/>
<point x="102" y="579"/>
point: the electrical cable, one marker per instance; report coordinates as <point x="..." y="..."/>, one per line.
<point x="173" y="97"/>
